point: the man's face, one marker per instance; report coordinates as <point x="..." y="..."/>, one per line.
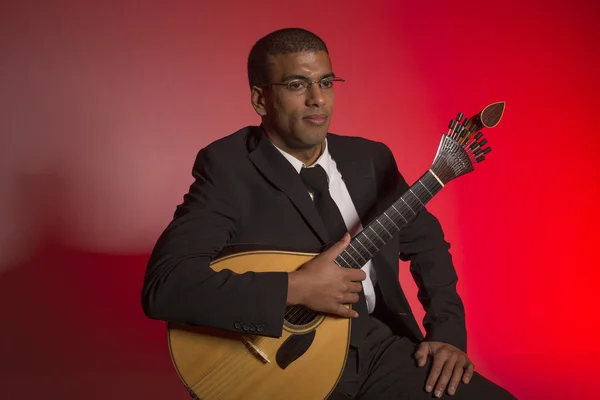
<point x="300" y="119"/>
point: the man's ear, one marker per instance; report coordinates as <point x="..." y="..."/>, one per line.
<point x="259" y="102"/>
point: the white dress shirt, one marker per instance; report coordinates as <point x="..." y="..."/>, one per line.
<point x="339" y="193"/>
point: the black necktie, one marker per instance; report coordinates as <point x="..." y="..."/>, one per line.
<point x="315" y="179"/>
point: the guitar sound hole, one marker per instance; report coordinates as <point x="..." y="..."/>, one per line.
<point x="300" y="317"/>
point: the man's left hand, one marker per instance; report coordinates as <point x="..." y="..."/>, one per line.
<point x="450" y="364"/>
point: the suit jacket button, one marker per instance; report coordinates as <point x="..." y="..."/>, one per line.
<point x="237" y="325"/>
<point x="246" y="327"/>
<point x="260" y="327"/>
<point x="252" y="327"/>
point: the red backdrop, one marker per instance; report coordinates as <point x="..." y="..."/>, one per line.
<point x="103" y="107"/>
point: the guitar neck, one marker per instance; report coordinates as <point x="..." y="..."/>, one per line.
<point x="378" y="232"/>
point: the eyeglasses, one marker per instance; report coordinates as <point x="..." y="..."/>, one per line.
<point x="300" y="86"/>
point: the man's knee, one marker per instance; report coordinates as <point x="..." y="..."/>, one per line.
<point x="481" y="388"/>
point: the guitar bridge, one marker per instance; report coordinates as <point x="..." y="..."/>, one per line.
<point x="255" y="350"/>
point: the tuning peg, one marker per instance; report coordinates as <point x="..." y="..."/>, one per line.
<point x="483" y="142"/>
<point x="452" y="124"/>
<point x="474" y="145"/>
<point x="472" y="128"/>
<point x="477" y="152"/>
<point x="478" y="136"/>
<point x="459" y="117"/>
<point x="465" y="122"/>
<point x="487" y="150"/>
<point x="480" y="159"/>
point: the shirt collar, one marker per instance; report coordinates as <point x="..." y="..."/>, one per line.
<point x="324" y="160"/>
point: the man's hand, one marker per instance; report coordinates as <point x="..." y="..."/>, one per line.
<point x="324" y="286"/>
<point x="450" y="364"/>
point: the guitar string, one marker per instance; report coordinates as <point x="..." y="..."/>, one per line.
<point x="266" y="345"/>
<point x="225" y="363"/>
<point x="271" y="347"/>
<point x="215" y="368"/>
<point x="243" y="370"/>
<point x="247" y="366"/>
<point x="218" y="378"/>
<point x="211" y="389"/>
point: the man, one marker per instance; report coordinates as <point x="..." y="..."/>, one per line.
<point x="254" y="186"/>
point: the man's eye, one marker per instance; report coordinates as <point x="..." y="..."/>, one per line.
<point x="327" y="84"/>
<point x="295" y="85"/>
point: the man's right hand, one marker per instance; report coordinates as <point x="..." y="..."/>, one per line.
<point x="324" y="286"/>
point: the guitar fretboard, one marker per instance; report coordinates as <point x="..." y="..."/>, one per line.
<point x="378" y="232"/>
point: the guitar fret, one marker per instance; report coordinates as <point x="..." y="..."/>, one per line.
<point x="348" y="253"/>
<point x="371" y="228"/>
<point x="416" y="197"/>
<point x="391" y="220"/>
<point x="357" y="252"/>
<point x="413" y="211"/>
<point x="388" y="232"/>
<point x="415" y="204"/>
<point x="363" y="246"/>
<point x="394" y="207"/>
<point x="342" y="258"/>
<point x="370" y="241"/>
<point x="422" y="184"/>
<point x="436" y="177"/>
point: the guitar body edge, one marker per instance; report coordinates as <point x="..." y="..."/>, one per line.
<point x="216" y="364"/>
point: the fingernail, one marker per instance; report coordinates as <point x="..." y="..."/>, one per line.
<point x="438" y="393"/>
<point x="451" y="390"/>
<point x="428" y="388"/>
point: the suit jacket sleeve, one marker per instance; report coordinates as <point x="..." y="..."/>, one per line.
<point x="179" y="285"/>
<point x="422" y="242"/>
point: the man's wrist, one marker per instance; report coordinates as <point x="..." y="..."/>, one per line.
<point x="294" y="289"/>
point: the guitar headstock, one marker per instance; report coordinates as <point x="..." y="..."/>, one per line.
<point x="463" y="145"/>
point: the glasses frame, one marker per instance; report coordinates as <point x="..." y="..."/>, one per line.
<point x="309" y="84"/>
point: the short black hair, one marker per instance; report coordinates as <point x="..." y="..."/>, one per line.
<point x="282" y="41"/>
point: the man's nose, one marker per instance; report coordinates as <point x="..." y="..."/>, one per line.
<point x="314" y="96"/>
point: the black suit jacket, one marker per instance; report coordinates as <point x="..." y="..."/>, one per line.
<point x="246" y="192"/>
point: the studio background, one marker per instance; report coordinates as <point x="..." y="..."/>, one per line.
<point x="104" y="105"/>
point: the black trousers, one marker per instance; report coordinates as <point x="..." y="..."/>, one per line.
<point x="384" y="368"/>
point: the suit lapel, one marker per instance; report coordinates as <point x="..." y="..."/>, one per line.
<point x="277" y="170"/>
<point x="358" y="175"/>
